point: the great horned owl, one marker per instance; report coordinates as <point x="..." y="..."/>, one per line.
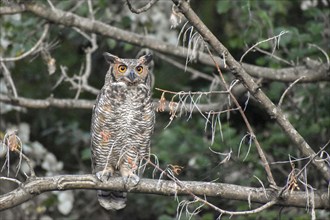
<point x="122" y="123"/>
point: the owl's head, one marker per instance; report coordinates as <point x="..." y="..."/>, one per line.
<point x="129" y="71"/>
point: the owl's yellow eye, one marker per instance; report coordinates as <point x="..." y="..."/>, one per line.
<point x="139" y="69"/>
<point x="122" y="68"/>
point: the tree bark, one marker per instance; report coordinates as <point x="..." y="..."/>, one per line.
<point x="35" y="186"/>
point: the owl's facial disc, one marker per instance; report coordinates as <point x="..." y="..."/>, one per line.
<point x="129" y="71"/>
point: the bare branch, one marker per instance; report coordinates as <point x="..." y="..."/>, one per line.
<point x="191" y="93"/>
<point x="38" y="185"/>
<point x="11" y="180"/>
<point x="324" y="53"/>
<point x="49" y="102"/>
<point x="9" y="80"/>
<point x="274" y="56"/>
<point x="286" y="91"/>
<point x="11" y="9"/>
<point x="82" y="80"/>
<point x="320" y="73"/>
<point x="85" y="104"/>
<point x="72" y="20"/>
<point x="276" y="38"/>
<point x="142" y="9"/>
<point x="195" y="73"/>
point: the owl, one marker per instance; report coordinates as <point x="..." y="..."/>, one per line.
<point x="122" y="124"/>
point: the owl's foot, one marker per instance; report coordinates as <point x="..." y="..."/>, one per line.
<point x="104" y="175"/>
<point x="131" y="181"/>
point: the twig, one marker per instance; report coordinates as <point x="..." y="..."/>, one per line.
<point x="277" y="41"/>
<point x="83" y="78"/>
<point x="9" y="80"/>
<point x="33" y="49"/>
<point x="286" y="91"/>
<point x="28" y="161"/>
<point x="50" y="4"/>
<point x="274" y="56"/>
<point x="324" y="53"/>
<point x="191" y="93"/>
<point x="142" y="9"/>
<point x="10" y="179"/>
<point x="195" y="73"/>
<point x="75" y="85"/>
<point x="313" y="158"/>
<point x="304" y="168"/>
<point x="90" y="9"/>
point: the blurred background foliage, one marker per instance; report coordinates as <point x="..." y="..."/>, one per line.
<point x="58" y="139"/>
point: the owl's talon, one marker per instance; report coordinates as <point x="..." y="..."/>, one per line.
<point x="131" y="180"/>
<point x="103" y="176"/>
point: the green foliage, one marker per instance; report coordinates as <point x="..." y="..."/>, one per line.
<point x="253" y="21"/>
<point x="223" y="6"/>
<point x="180" y="142"/>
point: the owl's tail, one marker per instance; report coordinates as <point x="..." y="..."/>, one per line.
<point x="112" y="200"/>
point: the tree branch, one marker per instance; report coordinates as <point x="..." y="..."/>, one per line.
<point x="49" y="102"/>
<point x="87" y="104"/>
<point x="247" y="80"/>
<point x="8" y="80"/>
<point x="142" y="9"/>
<point x="35" y="186"/>
<point x="321" y="73"/>
<point x="11" y="9"/>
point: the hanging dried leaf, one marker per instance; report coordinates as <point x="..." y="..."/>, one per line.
<point x="162" y="103"/>
<point x="12" y="141"/>
<point x="176" y="169"/>
<point x="173" y="108"/>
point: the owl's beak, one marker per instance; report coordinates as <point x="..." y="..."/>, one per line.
<point x="131" y="76"/>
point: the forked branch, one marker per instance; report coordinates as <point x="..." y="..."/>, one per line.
<point x="241" y="74"/>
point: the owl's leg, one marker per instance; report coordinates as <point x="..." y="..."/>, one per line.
<point x="105" y="174"/>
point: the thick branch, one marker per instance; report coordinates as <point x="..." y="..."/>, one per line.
<point x="38" y="185"/>
<point x="46" y="103"/>
<point x="88" y="104"/>
<point x="11" y="9"/>
<point x="247" y="80"/>
<point x="321" y="73"/>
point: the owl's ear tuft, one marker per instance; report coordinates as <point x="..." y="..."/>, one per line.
<point x="146" y="59"/>
<point x="111" y="58"/>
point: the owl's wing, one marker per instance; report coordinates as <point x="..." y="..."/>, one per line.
<point x="92" y="132"/>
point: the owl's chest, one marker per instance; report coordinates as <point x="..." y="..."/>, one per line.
<point x="123" y="104"/>
<point x="127" y="97"/>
